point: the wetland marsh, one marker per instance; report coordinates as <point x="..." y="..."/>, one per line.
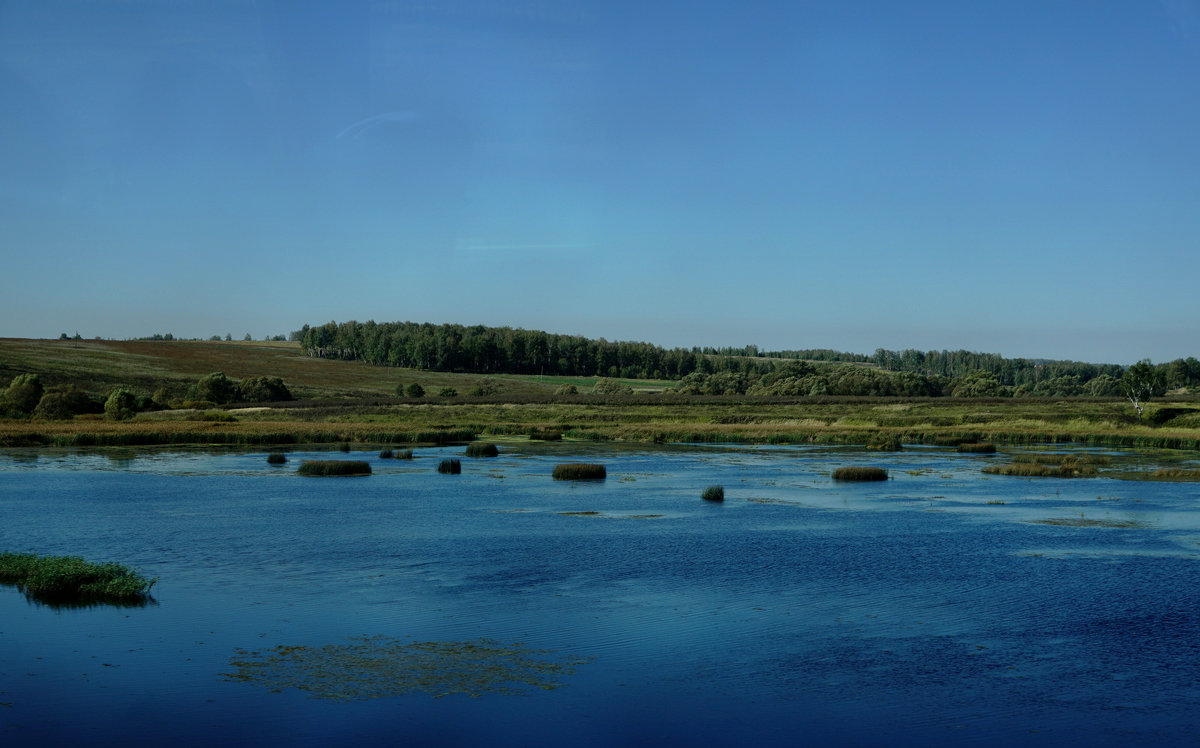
<point x="941" y="606"/>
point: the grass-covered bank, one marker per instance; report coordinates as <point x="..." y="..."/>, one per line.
<point x="935" y="421"/>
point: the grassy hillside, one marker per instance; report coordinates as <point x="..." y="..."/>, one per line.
<point x="100" y="365"/>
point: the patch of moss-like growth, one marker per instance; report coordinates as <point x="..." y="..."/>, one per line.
<point x="380" y="667"/>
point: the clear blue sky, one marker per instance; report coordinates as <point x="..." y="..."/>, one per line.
<point x="1012" y="177"/>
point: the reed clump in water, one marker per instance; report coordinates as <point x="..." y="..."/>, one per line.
<point x="482" y="449"/>
<point x="858" y="473"/>
<point x="277" y="458"/>
<point x="330" y="468"/>
<point x="72" y="580"/>
<point x="386" y="454"/>
<point x="580" y="471"/>
<point x="450" y="466"/>
<point x="713" y="493"/>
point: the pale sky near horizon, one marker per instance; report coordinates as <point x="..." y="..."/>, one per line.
<point x="1020" y="178"/>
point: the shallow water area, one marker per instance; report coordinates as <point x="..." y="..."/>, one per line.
<point x="942" y="606"/>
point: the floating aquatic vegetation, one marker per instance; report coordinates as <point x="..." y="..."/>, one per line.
<point x="1084" y="522"/>
<point x="380" y="666"/>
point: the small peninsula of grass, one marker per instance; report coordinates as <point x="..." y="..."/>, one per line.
<point x="982" y="448"/>
<point x="856" y="473"/>
<point x="580" y="471"/>
<point x="327" y="468"/>
<point x="70" y="580"/>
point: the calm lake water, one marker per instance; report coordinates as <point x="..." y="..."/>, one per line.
<point x="919" y="610"/>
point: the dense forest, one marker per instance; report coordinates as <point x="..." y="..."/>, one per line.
<point x="748" y="370"/>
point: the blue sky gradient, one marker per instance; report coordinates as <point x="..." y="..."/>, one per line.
<point x="1012" y="177"/>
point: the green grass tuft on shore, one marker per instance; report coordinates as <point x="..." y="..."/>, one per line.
<point x="70" y="580"/>
<point x="334" y="468"/>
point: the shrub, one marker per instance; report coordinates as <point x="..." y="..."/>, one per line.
<point x="277" y="458"/>
<point x="546" y="435"/>
<point x="567" y="389"/>
<point x="884" y="443"/>
<point x="263" y="390"/>
<point x="120" y="405"/>
<point x="414" y="390"/>
<point x="22" y="395"/>
<point x="611" y="387"/>
<point x="215" y="387"/>
<point x="447" y="392"/>
<point x="71" y="580"/>
<point x="579" y="471"/>
<point x="324" y="468"/>
<point x="482" y="449"/>
<point x="450" y="466"/>
<point x="982" y="448"/>
<point x="484" y="388"/>
<point x="860" y="474"/>
<point x="713" y="493"/>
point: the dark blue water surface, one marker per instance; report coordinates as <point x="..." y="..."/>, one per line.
<point x="920" y="610"/>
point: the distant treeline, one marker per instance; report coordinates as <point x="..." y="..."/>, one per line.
<point x="496" y="350"/>
<point x="748" y="370"/>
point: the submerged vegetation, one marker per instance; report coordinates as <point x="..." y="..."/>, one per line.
<point x="70" y="580"/>
<point x="860" y="473"/>
<point x="580" y="471"/>
<point x="379" y="667"/>
<point x="334" y="468"/>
